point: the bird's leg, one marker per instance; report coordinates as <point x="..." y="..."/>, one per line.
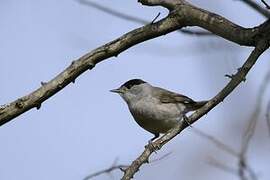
<point x="156" y="135"/>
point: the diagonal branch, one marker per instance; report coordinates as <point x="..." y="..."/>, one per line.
<point x="120" y="167"/>
<point x="268" y="116"/>
<point x="181" y="14"/>
<point x="257" y="7"/>
<point x="234" y="82"/>
<point x="218" y="143"/>
<point x="105" y="171"/>
<point x="265" y="3"/>
<point x="213" y="162"/>
<point x="138" y="20"/>
<point x="250" y="130"/>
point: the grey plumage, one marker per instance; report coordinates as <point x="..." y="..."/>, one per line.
<point x="155" y="109"/>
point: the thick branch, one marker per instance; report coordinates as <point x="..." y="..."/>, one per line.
<point x="88" y="61"/>
<point x="191" y="15"/>
<point x="182" y="14"/>
<point x="234" y="82"/>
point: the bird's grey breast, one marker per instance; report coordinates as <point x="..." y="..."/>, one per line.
<point x="154" y="116"/>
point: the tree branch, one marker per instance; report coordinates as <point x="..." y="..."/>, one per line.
<point x="219" y="144"/>
<point x="120" y="167"/>
<point x="268" y="116"/>
<point x="262" y="45"/>
<point x="181" y="14"/>
<point x="221" y="166"/>
<point x="257" y="7"/>
<point x="138" y="20"/>
<point x="265" y="3"/>
<point x="105" y="171"/>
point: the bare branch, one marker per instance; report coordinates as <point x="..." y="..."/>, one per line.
<point x="162" y="157"/>
<point x="155" y="18"/>
<point x="250" y="130"/>
<point x="138" y="20"/>
<point x="257" y="7"/>
<point x="213" y="162"/>
<point x="176" y="19"/>
<point x="120" y="167"/>
<point x="234" y="82"/>
<point x="113" y="12"/>
<point x="105" y="171"/>
<point x="216" y="142"/>
<point x="268" y="116"/>
<point x="265" y="3"/>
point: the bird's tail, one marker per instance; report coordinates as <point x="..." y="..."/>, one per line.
<point x="197" y="105"/>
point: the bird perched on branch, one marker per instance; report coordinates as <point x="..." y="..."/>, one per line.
<point x="155" y="109"/>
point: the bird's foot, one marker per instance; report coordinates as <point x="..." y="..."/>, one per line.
<point x="151" y="145"/>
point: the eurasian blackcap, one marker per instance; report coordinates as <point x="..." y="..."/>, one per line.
<point x="155" y="109"/>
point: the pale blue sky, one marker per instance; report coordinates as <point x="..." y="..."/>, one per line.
<point x="84" y="128"/>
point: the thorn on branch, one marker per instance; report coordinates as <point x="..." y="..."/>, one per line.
<point x="73" y="81"/>
<point x="91" y="65"/>
<point x="155" y="18"/>
<point x="38" y="106"/>
<point x="43" y="83"/>
<point x="146" y="161"/>
<point x="122" y="169"/>
<point x="19" y="104"/>
<point x="230" y="76"/>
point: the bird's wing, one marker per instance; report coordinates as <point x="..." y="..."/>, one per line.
<point x="166" y="96"/>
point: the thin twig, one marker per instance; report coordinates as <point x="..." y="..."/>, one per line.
<point x="176" y="19"/>
<point x="250" y="130"/>
<point x="120" y="167"/>
<point x="162" y="157"/>
<point x="268" y="116"/>
<point x="138" y="20"/>
<point x="105" y="171"/>
<point x="155" y="18"/>
<point x="265" y="3"/>
<point x="257" y="7"/>
<point x="213" y="162"/>
<point x="234" y="82"/>
<point x="216" y="142"/>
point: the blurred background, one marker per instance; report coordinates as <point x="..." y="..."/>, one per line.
<point x="84" y="128"/>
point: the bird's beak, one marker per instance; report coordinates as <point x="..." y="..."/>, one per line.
<point x="117" y="91"/>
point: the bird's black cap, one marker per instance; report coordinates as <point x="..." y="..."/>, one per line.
<point x="129" y="84"/>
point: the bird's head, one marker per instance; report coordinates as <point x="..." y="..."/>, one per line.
<point x="133" y="90"/>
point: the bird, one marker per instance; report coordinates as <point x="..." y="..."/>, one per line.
<point x="155" y="109"/>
